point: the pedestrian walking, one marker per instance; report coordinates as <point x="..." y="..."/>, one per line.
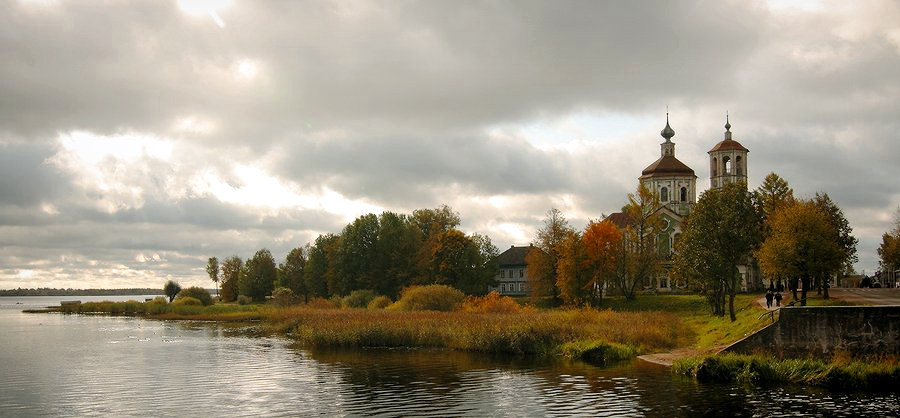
<point x="769" y="296"/>
<point x="778" y="299"/>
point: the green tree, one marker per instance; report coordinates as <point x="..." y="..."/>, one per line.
<point x="171" y="290"/>
<point x="356" y="255"/>
<point x="196" y="292"/>
<point x="542" y="264"/>
<point x="212" y="269"/>
<point x="638" y="259"/>
<point x="802" y="245"/>
<point x="259" y="276"/>
<point x="719" y="236"/>
<point x="290" y="273"/>
<point x="320" y="265"/>
<point x="232" y="270"/>
<point x="396" y="249"/>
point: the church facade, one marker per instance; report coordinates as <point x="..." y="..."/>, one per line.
<point x="675" y="185"/>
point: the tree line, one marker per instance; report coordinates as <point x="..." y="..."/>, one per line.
<point x="382" y="253"/>
<point x="800" y="242"/>
<point x="792" y="241"/>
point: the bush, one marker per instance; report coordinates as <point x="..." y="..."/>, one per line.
<point x="358" y="298"/>
<point x="380" y="302"/>
<point x="435" y="297"/>
<point x="491" y="303"/>
<point x="283" y="296"/>
<point x="159" y="300"/>
<point x="198" y="293"/>
<point x="244" y="300"/>
<point x="599" y="353"/>
<point x="187" y="301"/>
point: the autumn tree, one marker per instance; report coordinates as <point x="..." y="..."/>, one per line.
<point x="638" y="259"/>
<point x="431" y="225"/>
<point x="772" y="195"/>
<point x="232" y="270"/>
<point x="290" y="273"/>
<point x="889" y="250"/>
<point x="802" y="244"/>
<point x="542" y="264"/>
<point x="587" y="262"/>
<point x="720" y="235"/>
<point x="571" y="278"/>
<point x="842" y="234"/>
<point x="259" y="276"/>
<point x="463" y="262"/>
<point x="212" y="269"/>
<point x="601" y="241"/>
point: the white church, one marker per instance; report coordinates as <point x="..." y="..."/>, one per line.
<point x="676" y="186"/>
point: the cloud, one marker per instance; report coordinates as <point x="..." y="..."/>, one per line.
<point x="141" y="129"/>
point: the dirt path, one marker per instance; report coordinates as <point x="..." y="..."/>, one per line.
<point x="666" y="359"/>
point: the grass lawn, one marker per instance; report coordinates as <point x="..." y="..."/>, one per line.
<point x="709" y="331"/>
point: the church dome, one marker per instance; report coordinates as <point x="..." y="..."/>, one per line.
<point x="667" y="165"/>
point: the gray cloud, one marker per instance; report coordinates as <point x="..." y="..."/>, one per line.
<point x="408" y="105"/>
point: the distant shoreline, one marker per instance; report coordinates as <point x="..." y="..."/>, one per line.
<point x="80" y="292"/>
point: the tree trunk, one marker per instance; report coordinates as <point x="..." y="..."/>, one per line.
<point x="806" y="283"/>
<point x="825" y="288"/>
<point x="793" y="285"/>
<point x="731" y="307"/>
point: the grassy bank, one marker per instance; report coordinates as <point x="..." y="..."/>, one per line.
<point x="530" y="332"/>
<point x="154" y="310"/>
<point x="840" y="372"/>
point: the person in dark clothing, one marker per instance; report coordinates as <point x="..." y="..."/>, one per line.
<point x="769" y="296"/>
<point x="778" y="299"/>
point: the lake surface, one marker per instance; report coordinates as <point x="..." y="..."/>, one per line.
<point x="72" y="365"/>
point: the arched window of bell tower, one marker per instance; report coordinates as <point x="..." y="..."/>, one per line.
<point x="664" y="194"/>
<point x="684" y="194"/>
<point x="726" y="165"/>
<point x="737" y="165"/>
<point x="715" y="167"/>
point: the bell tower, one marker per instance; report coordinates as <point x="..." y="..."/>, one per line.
<point x="727" y="161"/>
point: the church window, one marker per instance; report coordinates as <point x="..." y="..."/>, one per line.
<point x="715" y="167"/>
<point x="737" y="164"/>
<point x="726" y="165"/>
<point x="684" y="194"/>
<point x="664" y="194"/>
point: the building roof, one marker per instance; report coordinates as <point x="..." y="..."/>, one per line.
<point x="621" y="219"/>
<point x="514" y="256"/>
<point x="667" y="165"/>
<point x="727" y="145"/>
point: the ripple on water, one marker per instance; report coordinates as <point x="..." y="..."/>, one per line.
<point x="121" y="367"/>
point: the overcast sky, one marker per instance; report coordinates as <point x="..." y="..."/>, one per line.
<point x="139" y="138"/>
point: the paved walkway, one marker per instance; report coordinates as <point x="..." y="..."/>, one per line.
<point x="865" y="296"/>
<point x="785" y="299"/>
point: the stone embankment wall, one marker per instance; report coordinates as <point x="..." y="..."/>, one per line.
<point x="803" y="331"/>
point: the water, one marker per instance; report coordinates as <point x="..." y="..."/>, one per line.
<point x="58" y="365"/>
